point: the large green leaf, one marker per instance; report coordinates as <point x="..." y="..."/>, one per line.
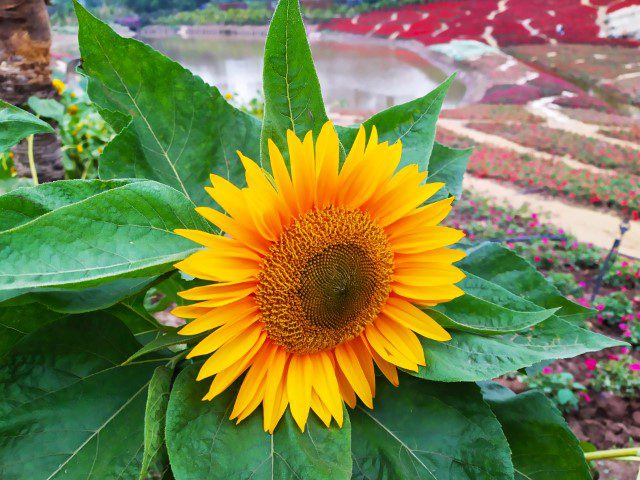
<point x="46" y="107"/>
<point x="489" y="309"/>
<point x="448" y="165"/>
<point x="154" y="417"/>
<point x="471" y="357"/>
<point x="20" y="320"/>
<point x="202" y="441"/>
<point x="503" y="267"/>
<point x="181" y="129"/>
<point x="125" y="231"/>
<point x="16" y="124"/>
<point x="414" y="123"/>
<point x="542" y="445"/>
<point x="431" y="431"/>
<point x="292" y="96"/>
<point x="168" y="339"/>
<point x="68" y="410"/>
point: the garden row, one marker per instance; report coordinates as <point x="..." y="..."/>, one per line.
<point x="595" y="152"/>
<point x="615" y="190"/>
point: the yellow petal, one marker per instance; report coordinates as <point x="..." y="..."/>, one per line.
<point x="421" y="294"/>
<point x="402" y="338"/>
<point x="299" y="377"/>
<point x="225" y="378"/>
<point x="387" y="350"/>
<point x="219" y="267"/>
<point x="327" y="162"/>
<point x="321" y="410"/>
<point x="220" y="291"/>
<point x="219" y="243"/>
<point x="326" y="385"/>
<point x="426" y="239"/>
<point x="366" y="363"/>
<point x="222" y="335"/>
<point x="387" y="369"/>
<point x="254" y="381"/>
<point x="428" y="275"/>
<point x="427" y="216"/>
<point x="302" y="169"/>
<point x="272" y="396"/>
<point x="350" y="366"/>
<point x="346" y="390"/>
<point x="412" y="317"/>
<point x="220" y="316"/>
<point x="440" y="255"/>
<point x="232" y="351"/>
<point x="236" y="230"/>
<point x="282" y="179"/>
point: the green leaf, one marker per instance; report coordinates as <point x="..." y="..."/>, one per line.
<point x="414" y="123"/>
<point x="543" y="447"/>
<point x="181" y="129"/>
<point x="471" y="357"/>
<point x="489" y="309"/>
<point x="202" y="441"/>
<point x="154" y="417"/>
<point x="427" y="430"/>
<point x="16" y="124"/>
<point x="26" y="204"/>
<point x="68" y="409"/>
<point x="448" y="165"/>
<point x="292" y="96"/>
<point x="18" y="321"/>
<point x="125" y="231"/>
<point x="46" y="107"/>
<point x="164" y="340"/>
<point x="505" y="268"/>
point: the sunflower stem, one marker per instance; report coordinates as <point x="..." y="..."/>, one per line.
<point x="32" y="163"/>
<point x="616" y="453"/>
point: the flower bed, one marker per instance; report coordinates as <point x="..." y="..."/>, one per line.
<point x="559" y="142"/>
<point x="619" y="192"/>
<point x="496" y="113"/>
<point x="598" y="118"/>
<point x="630" y="135"/>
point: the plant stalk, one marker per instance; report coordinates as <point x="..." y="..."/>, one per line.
<point x="32" y="162"/>
<point x="613" y="453"/>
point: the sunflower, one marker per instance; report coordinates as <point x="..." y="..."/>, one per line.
<point x="320" y="276"/>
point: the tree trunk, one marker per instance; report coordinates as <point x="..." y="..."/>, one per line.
<point x="25" y="57"/>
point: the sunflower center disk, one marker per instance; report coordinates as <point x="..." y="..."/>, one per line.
<point x="325" y="279"/>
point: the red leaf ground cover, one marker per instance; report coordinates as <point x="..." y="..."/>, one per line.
<point x="523" y="22"/>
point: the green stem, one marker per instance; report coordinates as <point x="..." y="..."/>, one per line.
<point x="32" y="162"/>
<point x="614" y="453"/>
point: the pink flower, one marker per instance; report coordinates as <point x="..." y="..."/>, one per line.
<point x="635" y="367"/>
<point x="624" y="350"/>
<point x="626" y="333"/>
<point x="591" y="363"/>
<point x="547" y="370"/>
<point x="600" y="307"/>
<point x="615" y="358"/>
<point x="536" y="258"/>
<point x="586" y="397"/>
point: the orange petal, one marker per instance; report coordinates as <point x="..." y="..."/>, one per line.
<point x="349" y="365"/>
<point x="412" y="317"/>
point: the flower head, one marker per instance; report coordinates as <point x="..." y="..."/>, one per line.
<point x="59" y="86"/>
<point x="321" y="275"/>
<point x="591" y="363"/>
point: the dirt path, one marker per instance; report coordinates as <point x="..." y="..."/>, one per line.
<point x="458" y="126"/>
<point x="545" y="108"/>
<point x="599" y="228"/>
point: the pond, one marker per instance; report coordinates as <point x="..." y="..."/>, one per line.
<point x="359" y="77"/>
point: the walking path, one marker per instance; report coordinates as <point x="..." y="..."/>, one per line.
<point x="587" y="225"/>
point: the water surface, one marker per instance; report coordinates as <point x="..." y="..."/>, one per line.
<point x="353" y="76"/>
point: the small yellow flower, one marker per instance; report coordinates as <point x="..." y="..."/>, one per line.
<point x="10" y="154"/>
<point x="322" y="275"/>
<point x="12" y="170"/>
<point x="59" y="86"/>
<point x="72" y="95"/>
<point x="74" y="132"/>
<point x="99" y="149"/>
<point x="73" y="109"/>
<point x="87" y="135"/>
<point x="79" y="148"/>
<point x="228" y="96"/>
